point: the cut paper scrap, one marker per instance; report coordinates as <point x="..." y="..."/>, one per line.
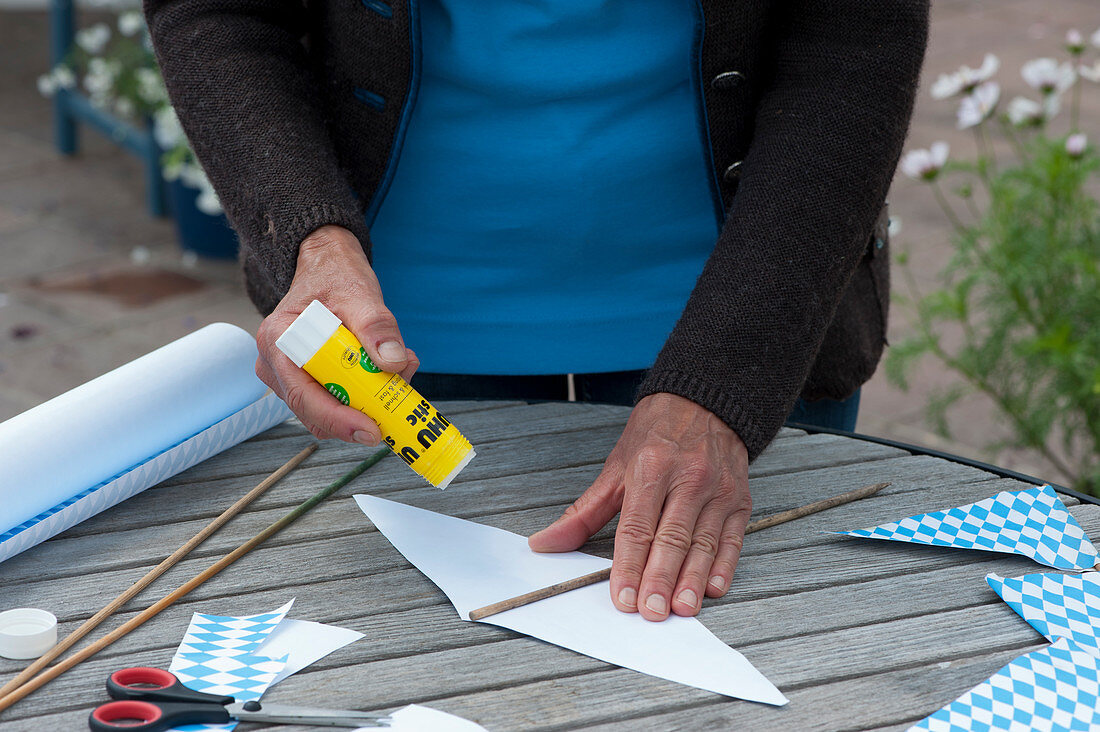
<point x="128" y="430"/>
<point x="1053" y="688"/>
<point x="477" y="565"/>
<point x="244" y="656"/>
<point x="415" y="718"/>
<point x="1033" y="523"/>
<point x="1056" y="605"/>
<point x="302" y="642"/>
<point x="217" y="656"/>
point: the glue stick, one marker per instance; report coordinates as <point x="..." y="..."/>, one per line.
<point x="318" y="342"/>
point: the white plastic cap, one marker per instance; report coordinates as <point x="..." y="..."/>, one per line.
<point x="308" y="333"/>
<point x="27" y="632"/>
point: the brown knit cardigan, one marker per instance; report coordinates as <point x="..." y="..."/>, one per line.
<point x="296" y="110"/>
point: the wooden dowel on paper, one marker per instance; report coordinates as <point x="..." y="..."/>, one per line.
<point x="91" y="623"/>
<point x="604" y="574"/>
<point x="89" y="651"/>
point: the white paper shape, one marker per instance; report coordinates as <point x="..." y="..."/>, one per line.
<point x="478" y="565"/>
<point x="415" y="718"/>
<point x="304" y="642"/>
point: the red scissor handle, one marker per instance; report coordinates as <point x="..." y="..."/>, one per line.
<point x="142" y="716"/>
<point x="141" y="683"/>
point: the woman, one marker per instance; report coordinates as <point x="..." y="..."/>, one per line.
<point x="679" y="197"/>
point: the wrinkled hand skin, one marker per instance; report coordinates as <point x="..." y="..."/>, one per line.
<point x="332" y="268"/>
<point x="680" y="477"/>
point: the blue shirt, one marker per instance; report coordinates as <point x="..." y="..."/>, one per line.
<point x="551" y="206"/>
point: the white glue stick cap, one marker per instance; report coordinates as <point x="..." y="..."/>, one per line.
<point x="27" y="632"/>
<point x="308" y="333"/>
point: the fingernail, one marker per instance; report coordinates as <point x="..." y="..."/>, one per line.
<point x="718" y="582"/>
<point x="628" y="597"/>
<point x="689" y="598"/>
<point x="364" y="438"/>
<point x="657" y="604"/>
<point x="392" y="351"/>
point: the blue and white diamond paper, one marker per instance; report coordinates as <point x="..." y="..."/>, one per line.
<point x="1053" y="688"/>
<point x="1056" y="605"/>
<point x="216" y="656"/>
<point x="1034" y="523"/>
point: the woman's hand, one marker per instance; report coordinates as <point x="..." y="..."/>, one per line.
<point x="681" y="478"/>
<point x="332" y="268"/>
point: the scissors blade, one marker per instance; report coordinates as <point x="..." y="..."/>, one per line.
<point x="288" y="714"/>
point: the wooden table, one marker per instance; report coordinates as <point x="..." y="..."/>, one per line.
<point x="859" y="634"/>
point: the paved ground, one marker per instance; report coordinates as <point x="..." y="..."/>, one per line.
<point x="69" y="224"/>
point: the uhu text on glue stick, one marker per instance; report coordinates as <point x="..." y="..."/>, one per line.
<point x="318" y="342"/>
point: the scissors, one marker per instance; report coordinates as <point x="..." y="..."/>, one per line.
<point x="152" y="699"/>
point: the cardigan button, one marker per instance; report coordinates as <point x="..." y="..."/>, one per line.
<point x="727" y="80"/>
<point x="733" y="173"/>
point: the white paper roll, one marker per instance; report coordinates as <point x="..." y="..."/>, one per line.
<point x="104" y="429"/>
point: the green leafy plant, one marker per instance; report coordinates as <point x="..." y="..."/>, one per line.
<point x="1016" y="311"/>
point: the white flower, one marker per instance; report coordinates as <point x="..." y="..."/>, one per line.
<point x="47" y="85"/>
<point x="167" y="129"/>
<point x="1076" y="144"/>
<point x="64" y="77"/>
<point x="1075" y="42"/>
<point x="1023" y="111"/>
<point x="966" y="79"/>
<point x="1096" y="38"/>
<point x="1091" y="73"/>
<point x="976" y="107"/>
<point x="1048" y="76"/>
<point x="130" y="23"/>
<point x="98" y="83"/>
<point x="150" y="86"/>
<point x="192" y="176"/>
<point x="140" y="255"/>
<point x="93" y="39"/>
<point x="207" y="202"/>
<point x="925" y="164"/>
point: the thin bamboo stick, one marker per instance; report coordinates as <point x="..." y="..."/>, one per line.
<point x="89" y="651"/>
<point x="91" y="623"/>
<point x="604" y="574"/>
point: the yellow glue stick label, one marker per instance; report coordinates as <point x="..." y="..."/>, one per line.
<point x="411" y="426"/>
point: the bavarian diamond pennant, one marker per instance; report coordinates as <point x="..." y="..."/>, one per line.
<point x="217" y="656"/>
<point x="1033" y="523"/>
<point x="1056" y="605"/>
<point x="1053" y="688"/>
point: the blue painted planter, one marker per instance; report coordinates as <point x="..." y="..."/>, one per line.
<point x="201" y="233"/>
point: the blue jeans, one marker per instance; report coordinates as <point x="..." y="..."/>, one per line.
<point x="837" y="415"/>
<point x="616" y="387"/>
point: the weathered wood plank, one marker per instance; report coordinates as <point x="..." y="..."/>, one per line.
<point x="196" y="493"/>
<point x="145" y="540"/>
<point x="893" y="700"/>
<point x="886" y="701"/>
<point x="576" y="698"/>
<point x="481" y="427"/>
<point x="798" y="594"/>
<point x="389" y="602"/>
<point x="737" y="616"/>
